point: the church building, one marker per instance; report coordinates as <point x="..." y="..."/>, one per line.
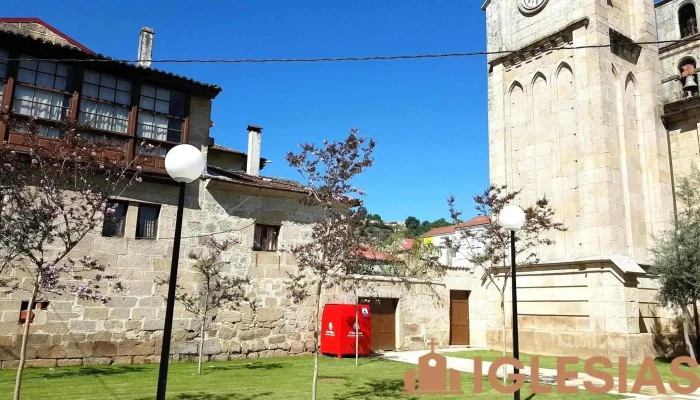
<point x="587" y="109"/>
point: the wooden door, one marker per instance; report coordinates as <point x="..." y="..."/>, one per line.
<point x="459" y="317"/>
<point x="383" y="312"/>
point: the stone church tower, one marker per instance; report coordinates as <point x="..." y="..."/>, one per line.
<point x="574" y="115"/>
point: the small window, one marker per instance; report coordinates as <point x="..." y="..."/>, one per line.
<point x="266" y="237"/>
<point x="113" y="224"/>
<point x="147" y="221"/>
<point x="4" y="55"/>
<point x="39" y="305"/>
<point x="687" y="20"/>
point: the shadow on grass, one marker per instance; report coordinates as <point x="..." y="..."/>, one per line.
<point x="382" y="388"/>
<point x="61" y="373"/>
<point x="253" y="365"/>
<point x="208" y="396"/>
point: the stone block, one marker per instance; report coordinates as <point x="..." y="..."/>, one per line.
<point x="96" y="313"/>
<point x="246" y="335"/>
<point x="211" y="346"/>
<point x="53" y="351"/>
<point x="40" y="363"/>
<point x="135" y="262"/>
<point x="141" y="288"/>
<point x="135" y="348"/>
<point x="97" y="361"/>
<point x="144" y="313"/>
<point x="262" y="333"/>
<point x="123" y="360"/>
<point x="119" y="313"/>
<point x="37" y="339"/>
<point x="70" y="362"/>
<point x="104" y="349"/>
<point x="268" y="314"/>
<point x="11" y="364"/>
<point x="280" y="353"/>
<point x="114" y="325"/>
<point x="277" y="339"/>
<point x="153" y="325"/>
<point x="77" y="325"/>
<point x="219" y="357"/>
<point x="78" y="350"/>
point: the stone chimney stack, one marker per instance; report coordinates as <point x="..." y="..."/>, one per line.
<point x="146" y="47"/>
<point x="254" y="141"/>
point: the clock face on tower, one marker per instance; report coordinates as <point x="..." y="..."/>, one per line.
<point x="529" y="7"/>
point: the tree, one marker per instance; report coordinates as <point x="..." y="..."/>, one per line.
<point x="676" y="257"/>
<point x="53" y="194"/>
<point x="488" y="248"/>
<point x="412" y="223"/>
<point x="334" y="246"/>
<point x="214" y="290"/>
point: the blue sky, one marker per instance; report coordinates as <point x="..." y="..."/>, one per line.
<point x="429" y="117"/>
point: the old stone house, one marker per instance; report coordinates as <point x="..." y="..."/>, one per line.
<point x="126" y="103"/>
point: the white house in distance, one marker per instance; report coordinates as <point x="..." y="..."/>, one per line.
<point x="452" y="257"/>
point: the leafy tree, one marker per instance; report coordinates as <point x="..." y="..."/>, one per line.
<point x="412" y="223"/>
<point x="53" y="194"/>
<point x="493" y="241"/>
<point x="333" y="249"/>
<point x="362" y="212"/>
<point x="676" y="256"/>
<point x="213" y="291"/>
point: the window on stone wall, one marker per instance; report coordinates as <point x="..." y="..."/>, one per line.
<point x="147" y="221"/>
<point x="39" y="305"/>
<point x="115" y="218"/>
<point x="105" y="102"/>
<point x="161" y="116"/>
<point x="687" y="20"/>
<point x="266" y="237"/>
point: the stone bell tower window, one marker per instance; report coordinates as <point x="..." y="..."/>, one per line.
<point x="687" y="20"/>
<point x="687" y="69"/>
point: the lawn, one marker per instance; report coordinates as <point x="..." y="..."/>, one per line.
<point x="281" y="378"/>
<point x="549" y="362"/>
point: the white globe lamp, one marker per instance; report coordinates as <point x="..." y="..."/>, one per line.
<point x="512" y="217"/>
<point x="184" y="163"/>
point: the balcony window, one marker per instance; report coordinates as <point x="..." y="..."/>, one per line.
<point x="105" y="101"/>
<point x="44" y="73"/>
<point x="41" y="93"/>
<point x="3" y="72"/>
<point x="161" y="115"/>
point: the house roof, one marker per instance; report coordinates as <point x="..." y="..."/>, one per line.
<point x="476" y="221"/>
<point x="226" y="149"/>
<point x="82" y="54"/>
<point x="407" y="244"/>
<point x="241" y="178"/>
<point x="49" y="27"/>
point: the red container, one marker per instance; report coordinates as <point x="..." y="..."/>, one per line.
<point x="338" y="329"/>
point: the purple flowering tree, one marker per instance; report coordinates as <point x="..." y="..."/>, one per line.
<point x="214" y="290"/>
<point x="333" y="250"/>
<point x="52" y="194"/>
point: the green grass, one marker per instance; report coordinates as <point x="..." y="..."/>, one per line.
<point x="550" y="362"/>
<point x="281" y="378"/>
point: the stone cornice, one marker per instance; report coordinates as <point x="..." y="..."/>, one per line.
<point x="687" y="40"/>
<point x="547" y="44"/>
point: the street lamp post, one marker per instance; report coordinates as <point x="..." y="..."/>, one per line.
<point x="185" y="164"/>
<point x="512" y="218"/>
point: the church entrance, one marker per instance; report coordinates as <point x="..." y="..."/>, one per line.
<point x="383" y="312"/>
<point x="459" y="317"/>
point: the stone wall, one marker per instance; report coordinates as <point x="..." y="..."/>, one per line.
<point x="583" y="310"/>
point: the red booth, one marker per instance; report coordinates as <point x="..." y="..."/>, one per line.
<point x="338" y="329"/>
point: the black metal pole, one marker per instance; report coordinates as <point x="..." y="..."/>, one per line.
<point x="170" y="308"/>
<point x="514" y="300"/>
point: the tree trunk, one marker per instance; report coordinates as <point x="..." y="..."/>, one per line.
<point x="25" y="336"/>
<point x="503" y="330"/>
<point x="697" y="329"/>
<point x="201" y="344"/>
<point x="317" y="343"/>
<point x="686" y="318"/>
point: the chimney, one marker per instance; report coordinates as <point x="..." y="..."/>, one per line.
<point x="146" y="47"/>
<point x="254" y="139"/>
